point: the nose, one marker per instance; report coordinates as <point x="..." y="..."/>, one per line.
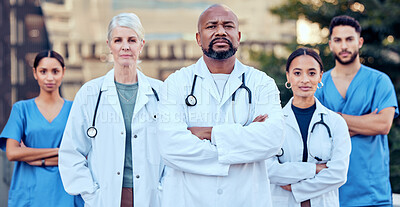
<point x="220" y="30"/>
<point x="305" y="78"/>
<point x="344" y="45"/>
<point x="125" y="46"/>
<point x="50" y="77"/>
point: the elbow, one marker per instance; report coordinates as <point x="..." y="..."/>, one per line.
<point x="11" y="156"/>
<point x="385" y="130"/>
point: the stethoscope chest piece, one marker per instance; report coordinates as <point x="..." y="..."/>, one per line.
<point x="91" y="132"/>
<point x="191" y="100"/>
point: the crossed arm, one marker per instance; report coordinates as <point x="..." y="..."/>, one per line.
<point x="370" y="124"/>
<point x="17" y="151"/>
<point x="205" y="132"/>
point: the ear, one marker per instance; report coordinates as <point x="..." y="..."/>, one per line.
<point x="287" y="77"/>
<point x="198" y="39"/>
<point x="141" y="46"/>
<point x="330" y="42"/>
<point x="34" y="73"/>
<point x="239" y="35"/>
<point x="320" y="76"/>
<point x="360" y="42"/>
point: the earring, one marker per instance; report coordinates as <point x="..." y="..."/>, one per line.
<point x="287" y="85"/>
<point x="322" y="85"/>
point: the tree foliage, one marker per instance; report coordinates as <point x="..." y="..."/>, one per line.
<point x="380" y="22"/>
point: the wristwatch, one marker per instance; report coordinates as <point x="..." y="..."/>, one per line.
<point x="43" y="163"/>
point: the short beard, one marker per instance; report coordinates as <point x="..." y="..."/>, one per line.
<point x="353" y="57"/>
<point x="211" y="53"/>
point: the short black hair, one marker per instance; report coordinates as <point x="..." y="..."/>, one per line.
<point x="344" y="20"/>
<point x="49" y="54"/>
<point x="304" y="51"/>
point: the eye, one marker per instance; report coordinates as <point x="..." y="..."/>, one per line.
<point x="229" y="26"/>
<point x="210" y="27"/>
<point x="42" y="72"/>
<point x="132" y="40"/>
<point x="296" y="73"/>
<point x="117" y="40"/>
<point x="312" y="73"/>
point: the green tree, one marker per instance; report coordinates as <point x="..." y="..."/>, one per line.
<point x="380" y="21"/>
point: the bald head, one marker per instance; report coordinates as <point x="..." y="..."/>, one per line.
<point x="210" y="13"/>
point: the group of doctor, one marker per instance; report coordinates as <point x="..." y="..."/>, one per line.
<point x="213" y="134"/>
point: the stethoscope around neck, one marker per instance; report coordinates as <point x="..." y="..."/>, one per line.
<point x="191" y="100"/>
<point x="322" y="122"/>
<point x="92" y="131"/>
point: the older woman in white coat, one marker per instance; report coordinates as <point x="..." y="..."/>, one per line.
<point x="314" y="158"/>
<point x="109" y="154"/>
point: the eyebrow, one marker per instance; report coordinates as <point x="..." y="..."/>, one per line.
<point x="224" y="22"/>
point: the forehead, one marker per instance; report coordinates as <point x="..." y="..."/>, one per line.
<point x="218" y="14"/>
<point x="123" y="32"/>
<point x="304" y="62"/>
<point x="48" y="62"/>
<point x="344" y="31"/>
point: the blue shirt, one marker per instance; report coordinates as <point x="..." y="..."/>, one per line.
<point x="32" y="185"/>
<point x="368" y="176"/>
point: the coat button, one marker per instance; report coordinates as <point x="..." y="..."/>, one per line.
<point x="118" y="173"/>
<point x="122" y="133"/>
<point x="155" y="116"/>
<point x="137" y="176"/>
<point x="135" y="136"/>
<point x="220" y="191"/>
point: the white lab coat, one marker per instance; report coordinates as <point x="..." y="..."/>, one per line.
<point x="229" y="171"/>
<point x="321" y="188"/>
<point x="93" y="167"/>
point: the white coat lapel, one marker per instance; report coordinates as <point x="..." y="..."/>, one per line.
<point x="110" y="93"/>
<point x="207" y="82"/>
<point x="290" y="118"/>
<point x="144" y="90"/>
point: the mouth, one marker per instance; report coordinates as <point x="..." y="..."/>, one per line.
<point x="345" y="54"/>
<point x="125" y="56"/>
<point x="220" y="42"/>
<point x="50" y="85"/>
<point x="305" y="88"/>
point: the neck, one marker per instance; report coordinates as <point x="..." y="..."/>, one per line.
<point x="347" y="70"/>
<point x="220" y="66"/>
<point x="303" y="102"/>
<point x="125" y="74"/>
<point x="49" y="97"/>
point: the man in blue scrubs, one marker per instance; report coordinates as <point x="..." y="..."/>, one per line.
<point x="366" y="99"/>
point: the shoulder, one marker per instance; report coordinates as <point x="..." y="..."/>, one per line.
<point x="24" y="103"/>
<point x="92" y="86"/>
<point x="326" y="74"/>
<point x="374" y="73"/>
<point x="155" y="83"/>
<point x="257" y="76"/>
<point x="185" y="73"/>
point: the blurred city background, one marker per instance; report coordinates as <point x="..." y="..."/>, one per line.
<point x="270" y="31"/>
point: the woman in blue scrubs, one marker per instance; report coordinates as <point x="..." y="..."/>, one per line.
<point x="32" y="136"/>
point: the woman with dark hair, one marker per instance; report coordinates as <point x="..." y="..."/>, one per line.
<point x="314" y="158"/>
<point x="32" y="136"/>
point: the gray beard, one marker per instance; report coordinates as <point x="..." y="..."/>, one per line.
<point x="211" y="53"/>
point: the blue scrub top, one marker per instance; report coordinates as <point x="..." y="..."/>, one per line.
<point x="368" y="176"/>
<point x="31" y="185"/>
